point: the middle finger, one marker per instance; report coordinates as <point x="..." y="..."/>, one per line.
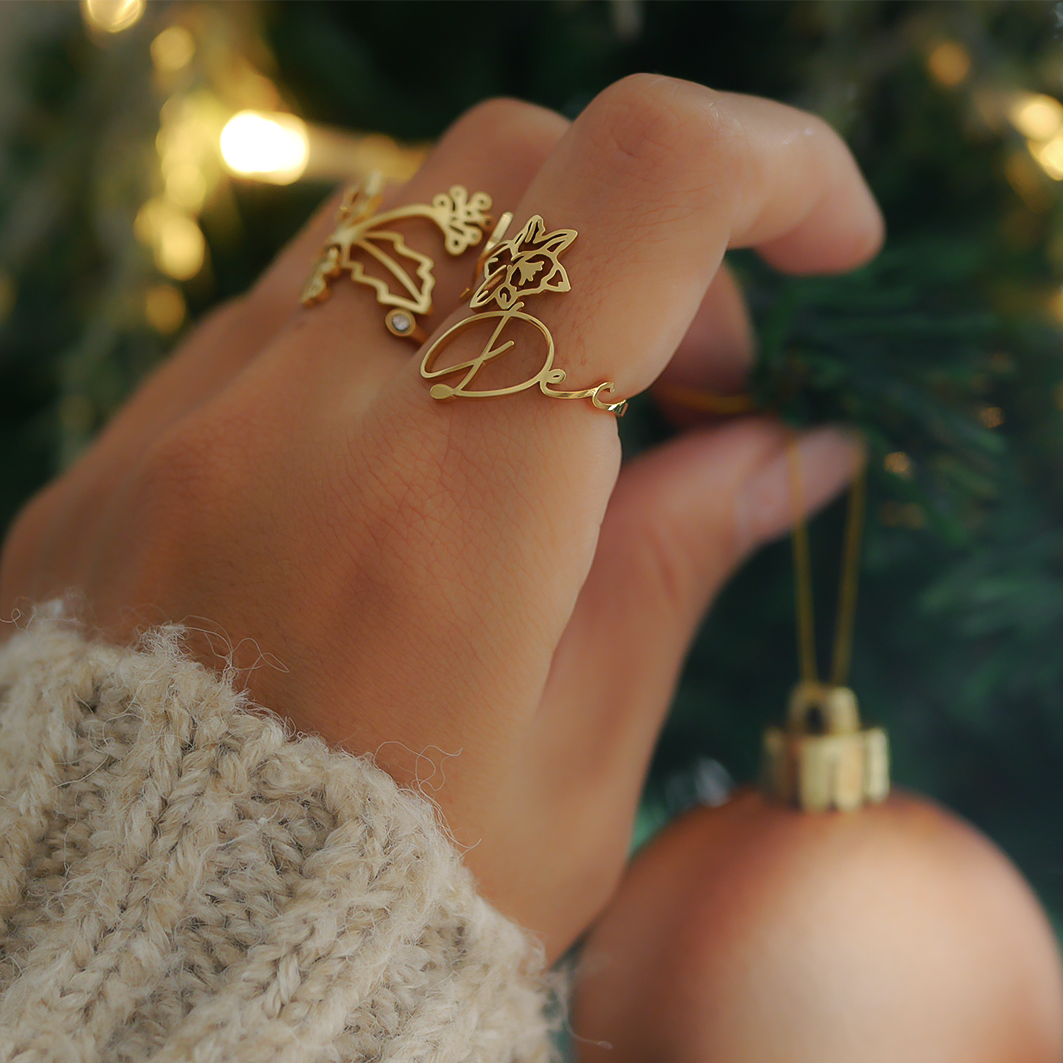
<point x="659" y="177"/>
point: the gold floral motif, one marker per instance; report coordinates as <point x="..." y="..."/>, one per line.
<point x="466" y="217"/>
<point x="525" y="265"/>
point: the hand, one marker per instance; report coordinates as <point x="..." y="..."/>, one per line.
<point x="476" y="589"/>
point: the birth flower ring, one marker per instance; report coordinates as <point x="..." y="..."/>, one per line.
<point x="513" y="270"/>
<point x="365" y="244"/>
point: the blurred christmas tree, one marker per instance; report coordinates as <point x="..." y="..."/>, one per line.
<point x="118" y="223"/>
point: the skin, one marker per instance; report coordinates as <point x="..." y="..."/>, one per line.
<point x="477" y="593"/>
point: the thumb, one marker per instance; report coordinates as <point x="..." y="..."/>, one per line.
<point x="680" y="521"/>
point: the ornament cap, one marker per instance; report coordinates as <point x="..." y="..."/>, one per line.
<point x="825" y="759"/>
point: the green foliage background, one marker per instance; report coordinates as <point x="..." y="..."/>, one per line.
<point x="961" y="614"/>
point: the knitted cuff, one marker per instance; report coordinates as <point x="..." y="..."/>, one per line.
<point x="180" y="879"/>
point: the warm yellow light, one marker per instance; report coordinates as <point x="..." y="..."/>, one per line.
<point x="112" y="16"/>
<point x="271" y="147"/>
<point x="1055" y="305"/>
<point x="164" y="308"/>
<point x="899" y="464"/>
<point x="179" y="247"/>
<point x="146" y="224"/>
<point x="1035" y="116"/>
<point x="949" y="63"/>
<point x="173" y="49"/>
<point x="1027" y="179"/>
<point x="1050" y="156"/>
<point x="186" y="186"/>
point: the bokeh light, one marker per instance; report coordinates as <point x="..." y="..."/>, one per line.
<point x="186" y="186"/>
<point x="949" y="64"/>
<point x="173" y="236"/>
<point x="1036" y="116"/>
<point x="991" y="416"/>
<point x="173" y="49"/>
<point x="899" y="464"/>
<point x="271" y="147"/>
<point x="1050" y="156"/>
<point x="112" y="16"/>
<point x="165" y="308"/>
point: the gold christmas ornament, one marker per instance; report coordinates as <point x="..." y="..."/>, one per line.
<point x="824" y="759"/>
<point x="757" y="933"/>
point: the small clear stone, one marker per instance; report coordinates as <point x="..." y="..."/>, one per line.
<point x="401" y="322"/>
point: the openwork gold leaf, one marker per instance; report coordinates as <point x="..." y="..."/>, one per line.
<point x="408" y="280"/>
<point x="365" y="243"/>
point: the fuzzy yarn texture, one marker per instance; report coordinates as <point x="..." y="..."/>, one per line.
<point x="181" y="879"/>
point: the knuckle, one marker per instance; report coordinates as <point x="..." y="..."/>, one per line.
<point x="823" y="148"/>
<point x="659" y="131"/>
<point x="499" y="112"/>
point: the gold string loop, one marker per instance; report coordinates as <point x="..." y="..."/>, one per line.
<point x="845" y="619"/>
<point x="824" y="758"/>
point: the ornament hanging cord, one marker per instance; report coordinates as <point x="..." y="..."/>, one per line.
<point x="725" y="405"/>
<point x="846" y="616"/>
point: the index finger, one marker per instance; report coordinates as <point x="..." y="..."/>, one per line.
<point x="660" y="177"/>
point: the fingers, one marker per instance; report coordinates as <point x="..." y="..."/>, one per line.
<point x="680" y="522"/>
<point x="681" y="173"/>
<point x="495" y="148"/>
<point x="715" y="354"/>
<point x="500" y="139"/>
<point x="511" y="137"/>
<point x="694" y="173"/>
<point x="220" y="346"/>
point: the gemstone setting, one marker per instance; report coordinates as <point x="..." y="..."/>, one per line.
<point x="400" y="323"/>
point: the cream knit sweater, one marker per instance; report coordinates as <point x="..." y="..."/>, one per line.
<point x="182" y="880"/>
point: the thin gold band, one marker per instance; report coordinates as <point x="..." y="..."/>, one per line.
<point x="513" y="271"/>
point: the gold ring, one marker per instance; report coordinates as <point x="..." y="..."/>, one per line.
<point x="513" y="270"/>
<point x="402" y="279"/>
